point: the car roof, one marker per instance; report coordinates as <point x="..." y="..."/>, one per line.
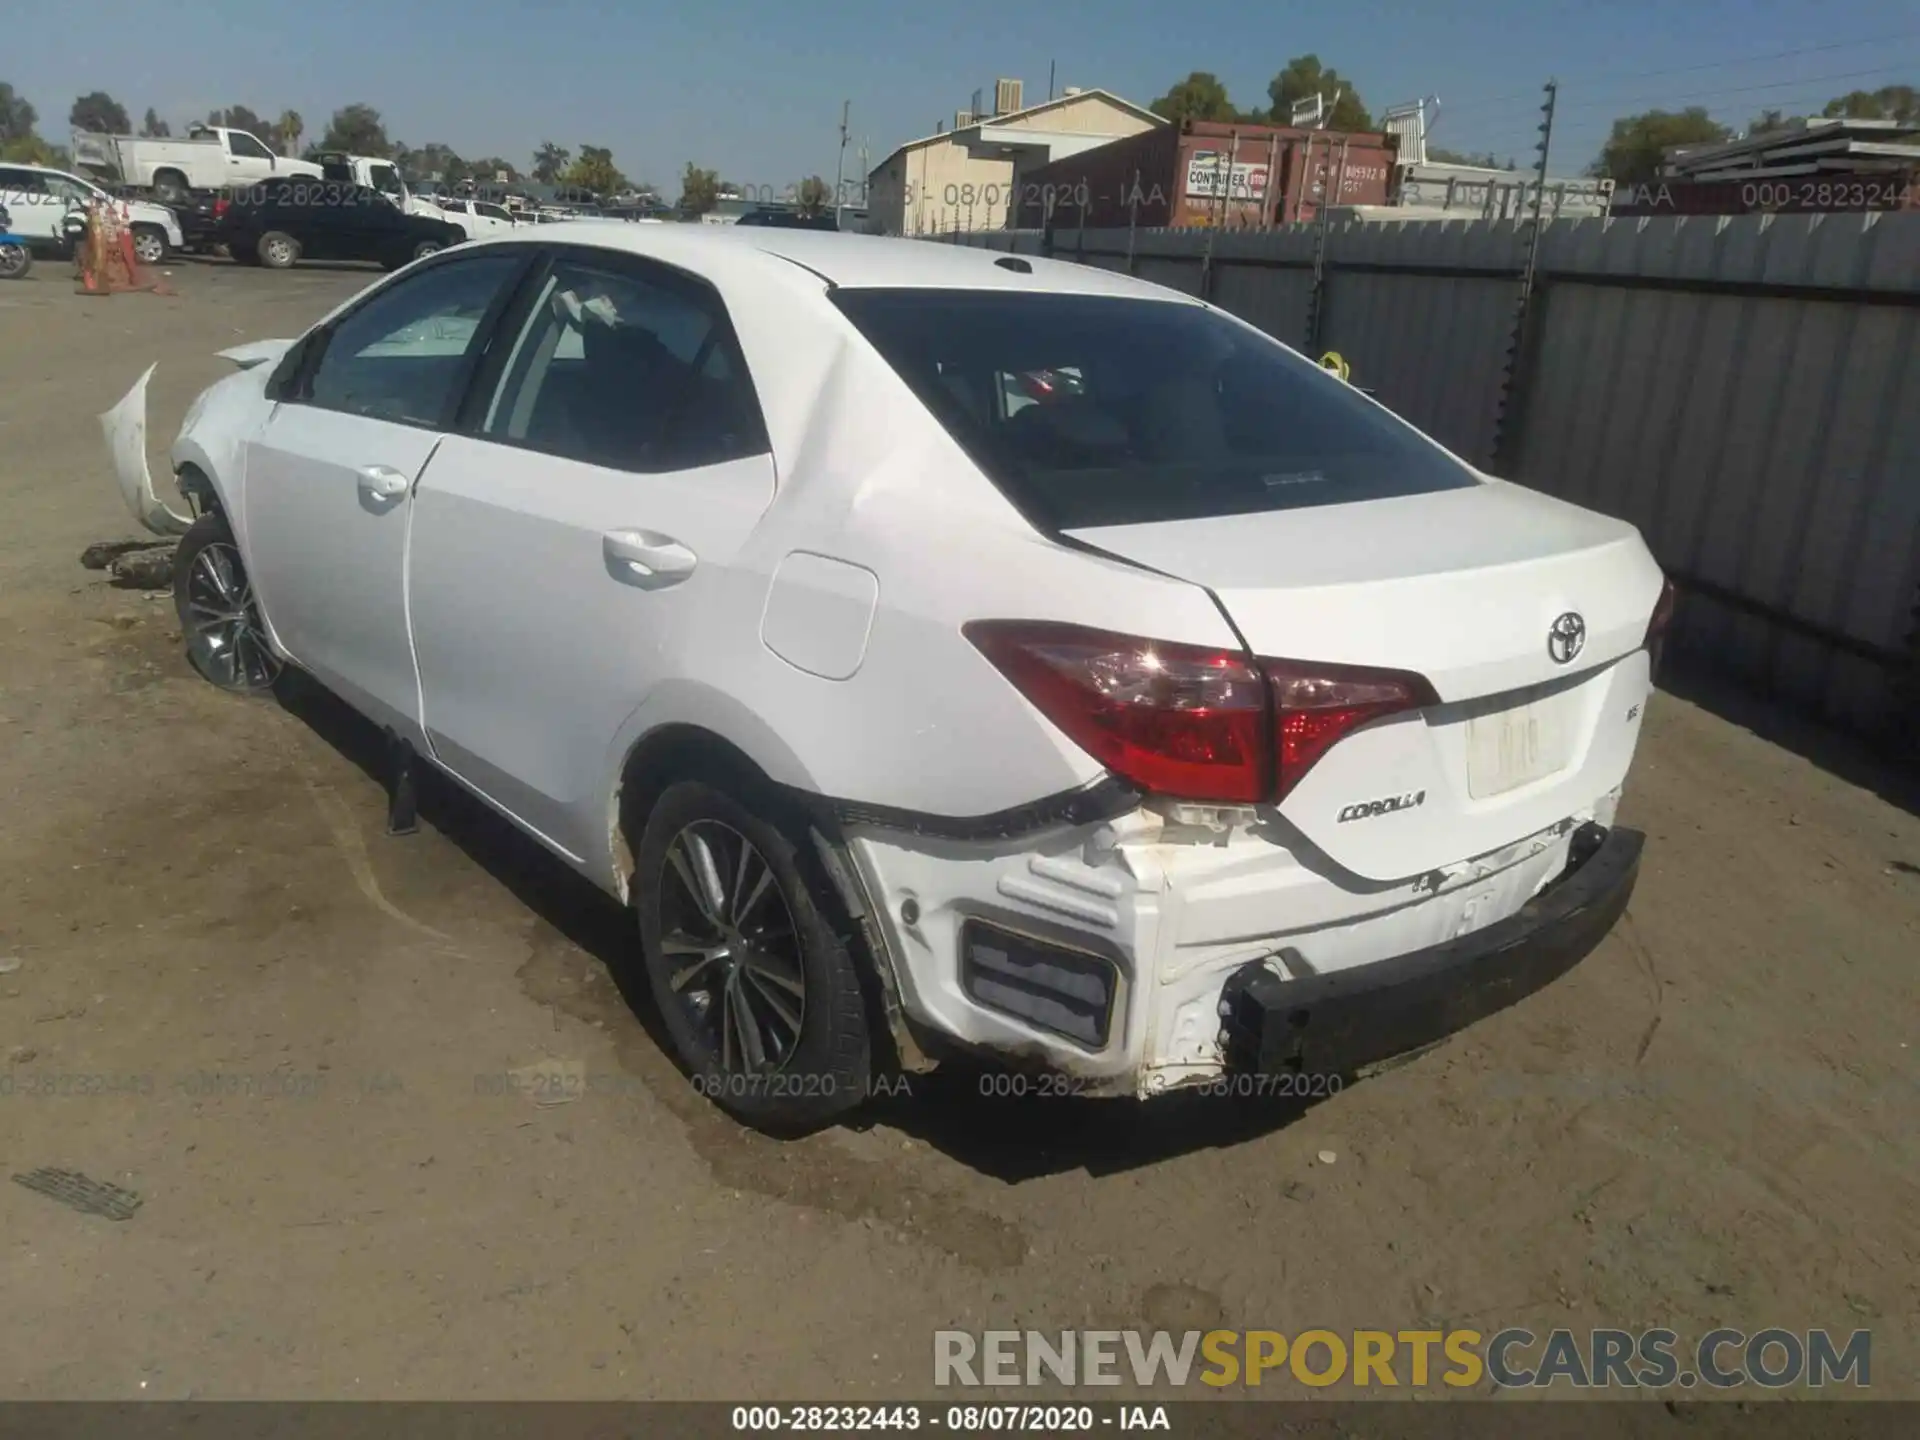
<point x="845" y="260"/>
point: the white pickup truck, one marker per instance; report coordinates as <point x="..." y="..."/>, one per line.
<point x="211" y="157"/>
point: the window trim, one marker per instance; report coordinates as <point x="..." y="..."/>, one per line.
<point x="488" y="377"/>
<point x="296" y="387"/>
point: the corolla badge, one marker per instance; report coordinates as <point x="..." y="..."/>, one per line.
<point x="1566" y="638"/>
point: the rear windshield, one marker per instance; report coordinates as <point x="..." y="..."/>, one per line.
<point x="1101" y="410"/>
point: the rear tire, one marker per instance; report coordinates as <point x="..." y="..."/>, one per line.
<point x="759" y="995"/>
<point x="170" y="186"/>
<point x="15" y="261"/>
<point x="277" y="250"/>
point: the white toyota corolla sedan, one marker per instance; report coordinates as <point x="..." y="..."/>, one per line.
<point x="943" y="652"/>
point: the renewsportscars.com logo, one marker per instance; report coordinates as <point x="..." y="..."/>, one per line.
<point x="1511" y="1359"/>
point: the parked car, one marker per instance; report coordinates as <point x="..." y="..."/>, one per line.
<point x="478" y="219"/>
<point x="40" y="198"/>
<point x="16" y="256"/>
<point x="199" y="219"/>
<point x="210" y="157"/>
<point x="789" y="219"/>
<point x="283" y="222"/>
<point x="1206" y="724"/>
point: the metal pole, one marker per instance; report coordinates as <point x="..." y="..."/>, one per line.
<point x="1317" y="301"/>
<point x="840" y="165"/>
<point x="1273" y="164"/>
<point x="1507" y="421"/>
<point x="1133" y="220"/>
<point x="1050" y="70"/>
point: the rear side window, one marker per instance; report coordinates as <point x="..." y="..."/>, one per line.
<point x="627" y="371"/>
<point x="1104" y="410"/>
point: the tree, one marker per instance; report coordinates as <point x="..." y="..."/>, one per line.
<point x="550" y="163"/>
<point x="1889" y="102"/>
<point x="1200" y="96"/>
<point x="239" y="117"/>
<point x="699" y="190"/>
<point x="17" y="117"/>
<point x="813" y="195"/>
<point x="1485" y="160"/>
<point x="99" y="111"/>
<point x="490" y="169"/>
<point x="153" y="127"/>
<point x="432" y="161"/>
<point x="1638" y="143"/>
<point x="30" y="149"/>
<point x="358" y="130"/>
<point x="594" y="171"/>
<point x="287" y="131"/>
<point x="1766" y="122"/>
<point x="1306" y="77"/>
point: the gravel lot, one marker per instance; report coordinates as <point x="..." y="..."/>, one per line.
<point x="287" y="1033"/>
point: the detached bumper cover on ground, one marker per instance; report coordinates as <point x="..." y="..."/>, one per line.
<point x="1337" y="1023"/>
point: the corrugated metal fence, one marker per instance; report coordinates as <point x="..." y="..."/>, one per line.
<point x="1744" y="389"/>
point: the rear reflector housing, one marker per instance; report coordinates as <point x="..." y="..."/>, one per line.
<point x="1188" y="721"/>
<point x="1661" y="622"/>
<point x="1065" y="992"/>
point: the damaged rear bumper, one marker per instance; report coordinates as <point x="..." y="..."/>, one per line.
<point x="1337" y="1024"/>
<point x="1103" y="950"/>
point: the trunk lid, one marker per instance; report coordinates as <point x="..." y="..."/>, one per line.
<point x="1462" y="587"/>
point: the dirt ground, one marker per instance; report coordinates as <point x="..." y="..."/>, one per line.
<point x="223" y="987"/>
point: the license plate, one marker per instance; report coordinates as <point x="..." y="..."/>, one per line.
<point x="1516" y="747"/>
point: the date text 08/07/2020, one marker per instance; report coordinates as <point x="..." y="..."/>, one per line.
<point x="959" y="1419"/>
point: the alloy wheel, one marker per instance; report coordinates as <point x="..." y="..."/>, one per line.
<point x="225" y="640"/>
<point x="148" y="248"/>
<point x="730" y="949"/>
<point x="279" y="252"/>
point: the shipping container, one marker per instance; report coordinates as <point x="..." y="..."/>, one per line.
<point x="1785" y="195"/>
<point x="1205" y="173"/>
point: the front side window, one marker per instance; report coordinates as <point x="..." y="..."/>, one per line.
<point x="1091" y="410"/>
<point x="491" y="212"/>
<point x="65" y="187"/>
<point x="243" y="144"/>
<point x="406" y="353"/>
<point x="627" y="373"/>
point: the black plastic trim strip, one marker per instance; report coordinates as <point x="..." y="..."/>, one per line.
<point x="1106" y="799"/>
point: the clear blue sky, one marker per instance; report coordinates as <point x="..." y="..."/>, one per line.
<point x="753" y="88"/>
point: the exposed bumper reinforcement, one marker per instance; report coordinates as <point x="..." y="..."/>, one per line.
<point x="1340" y="1022"/>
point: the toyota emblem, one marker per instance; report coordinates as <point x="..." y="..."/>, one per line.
<point x="1566" y="638"/>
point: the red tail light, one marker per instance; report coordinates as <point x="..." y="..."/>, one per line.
<point x="220" y="207"/>
<point x="1188" y="721"/>
<point x="1176" y="719"/>
<point x="1662" y="620"/>
<point x="1314" y="705"/>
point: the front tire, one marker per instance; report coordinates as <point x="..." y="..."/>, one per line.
<point x="757" y="991"/>
<point x="213" y="596"/>
<point x="149" y="244"/>
<point x="277" y="250"/>
<point x="15" y="261"/>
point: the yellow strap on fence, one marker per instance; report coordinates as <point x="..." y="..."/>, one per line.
<point x="1332" y="361"/>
